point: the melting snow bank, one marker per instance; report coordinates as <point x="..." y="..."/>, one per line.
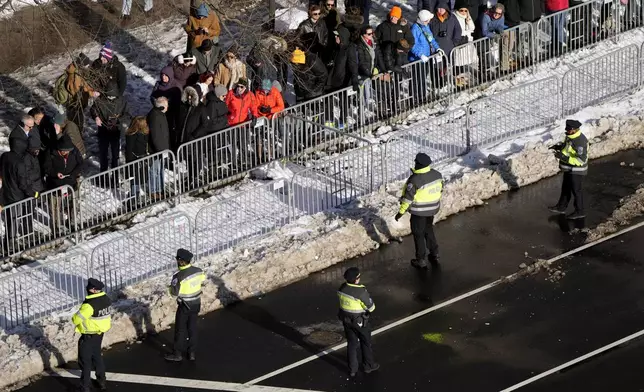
<point x="630" y="207"/>
<point x="310" y="244"/>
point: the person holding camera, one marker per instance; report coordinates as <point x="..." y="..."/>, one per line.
<point x="202" y="26"/>
<point x="445" y="27"/>
<point x="269" y="100"/>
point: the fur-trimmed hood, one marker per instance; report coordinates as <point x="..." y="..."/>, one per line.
<point x="191" y="96"/>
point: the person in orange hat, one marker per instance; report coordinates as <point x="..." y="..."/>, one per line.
<point x="394" y="29"/>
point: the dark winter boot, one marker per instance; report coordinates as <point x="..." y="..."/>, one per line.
<point x="192" y="357"/>
<point x="375" y="367"/>
<point x="433" y="259"/>
<point x="102" y="385"/>
<point x="174" y="357"/>
<point x="557" y="210"/>
<point x="418" y="263"/>
<point x="576" y="215"/>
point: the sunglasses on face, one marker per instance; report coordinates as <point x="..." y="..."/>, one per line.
<point x="316" y="14"/>
<point x="369" y="34"/>
<point x="330" y="5"/>
<point x="496" y="13"/>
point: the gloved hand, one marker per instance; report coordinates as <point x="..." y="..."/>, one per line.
<point x="264" y="109"/>
<point x="36" y="195"/>
<point x="424" y="58"/>
<point x="559" y="155"/>
<point x="356" y="87"/>
<point x="398" y="216"/>
<point x="441" y="52"/>
<point x="556" y="147"/>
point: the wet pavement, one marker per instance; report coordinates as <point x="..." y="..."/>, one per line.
<point x="534" y="324"/>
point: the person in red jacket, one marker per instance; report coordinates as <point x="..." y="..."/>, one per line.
<point x="241" y="103"/>
<point x="269" y="100"/>
<point x="558" y="40"/>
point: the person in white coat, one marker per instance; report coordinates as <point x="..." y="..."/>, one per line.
<point x="465" y="55"/>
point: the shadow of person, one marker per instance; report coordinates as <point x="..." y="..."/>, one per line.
<point x="376" y="226"/>
<point x="427" y="283"/>
<point x="141" y="318"/>
<point x="37" y="340"/>
<point x="264" y="319"/>
<point x="567" y="225"/>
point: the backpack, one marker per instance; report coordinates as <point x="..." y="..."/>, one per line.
<point x="59" y="92"/>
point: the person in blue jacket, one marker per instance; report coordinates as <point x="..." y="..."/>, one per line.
<point x="425" y="44"/>
<point x="493" y="22"/>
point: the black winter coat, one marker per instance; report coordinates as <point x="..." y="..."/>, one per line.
<point x="359" y="62"/>
<point x="393" y="59"/>
<point x="19" y="136"/>
<point x="70" y="166"/>
<point x="532" y="10"/>
<point x="110" y="111"/>
<point x="263" y="65"/>
<point x="159" y="131"/>
<point x="15" y="181"/>
<point x="310" y="78"/>
<point x="512" y="12"/>
<point x="189" y="116"/>
<point x="33" y="172"/>
<point x="320" y="30"/>
<point x="136" y="146"/>
<point x="213" y="116"/>
<point x="104" y="74"/>
<point x="214" y="57"/>
<point x="392" y="33"/>
<point x="340" y="77"/>
<point x="447" y="33"/>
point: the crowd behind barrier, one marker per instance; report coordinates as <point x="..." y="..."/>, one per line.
<point x="319" y="185"/>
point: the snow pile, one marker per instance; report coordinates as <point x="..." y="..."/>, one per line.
<point x="631" y="207"/>
<point x="309" y="244"/>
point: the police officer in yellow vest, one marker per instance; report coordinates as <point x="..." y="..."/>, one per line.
<point x="421" y="196"/>
<point x="573" y="162"/>
<point x="92" y="320"/>
<point x="355" y="307"/>
<point x="186" y="286"/>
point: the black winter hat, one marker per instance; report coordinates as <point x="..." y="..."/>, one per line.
<point x="351" y="274"/>
<point x="82" y="60"/>
<point x="444" y="4"/>
<point x="94" y="284"/>
<point x="422" y="160"/>
<point x="458" y="4"/>
<point x="206" y="45"/>
<point x="65" y="144"/>
<point x="184" y="254"/>
<point x="572" y="124"/>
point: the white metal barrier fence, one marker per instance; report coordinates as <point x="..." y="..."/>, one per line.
<point x="250" y="214"/>
<point x="612" y="74"/>
<point x="43" y="289"/>
<point x="142" y="253"/>
<point x="32" y="222"/>
<point x="125" y="189"/>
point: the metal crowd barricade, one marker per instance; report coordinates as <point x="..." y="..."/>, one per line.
<point x="141" y="254"/>
<point x="483" y="61"/>
<point x="629" y="15"/>
<point x="226" y="155"/>
<point x="339" y="109"/>
<point x="32" y="223"/>
<point x="575" y="28"/>
<point x="250" y="214"/>
<point x="37" y="291"/>
<point x="125" y="189"/>
<point x="511" y="112"/>
<point x="333" y="182"/>
<point x="615" y="73"/>
<point x="443" y="138"/>
<point x="306" y="140"/>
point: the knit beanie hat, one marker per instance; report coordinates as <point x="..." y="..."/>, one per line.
<point x="422" y="160"/>
<point x="395" y="12"/>
<point x="298" y="57"/>
<point x="95" y="284"/>
<point x="351" y="274"/>
<point x="242" y="82"/>
<point x="202" y="11"/>
<point x="220" y="90"/>
<point x="106" y="51"/>
<point x="424" y="16"/>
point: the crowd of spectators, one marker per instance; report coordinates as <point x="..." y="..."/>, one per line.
<point x="213" y="86"/>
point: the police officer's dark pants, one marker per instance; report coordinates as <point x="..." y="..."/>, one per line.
<point x="358" y="338"/>
<point x="89" y="357"/>
<point x="572" y="186"/>
<point x="422" y="228"/>
<point x="185" y="326"/>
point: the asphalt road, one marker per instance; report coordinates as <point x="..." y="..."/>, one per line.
<point x="485" y="343"/>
